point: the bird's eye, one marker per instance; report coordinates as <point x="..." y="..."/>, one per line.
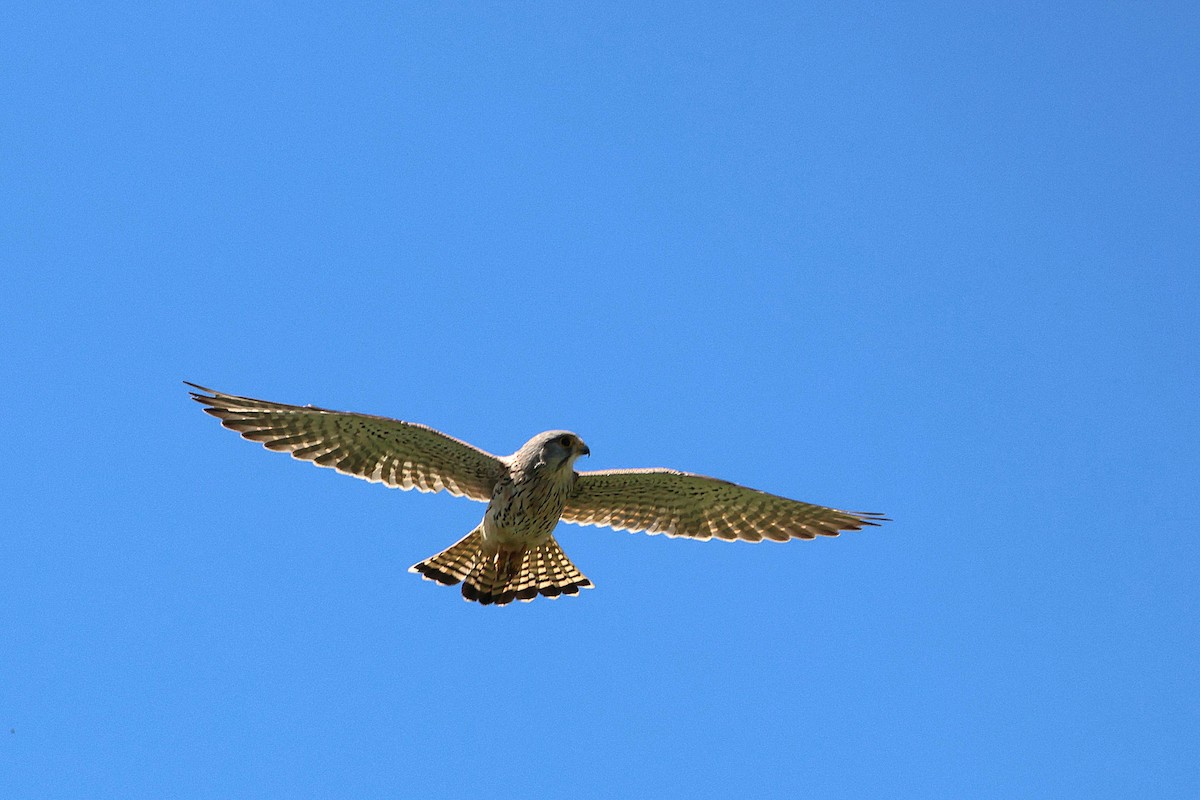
<point x="565" y="441"/>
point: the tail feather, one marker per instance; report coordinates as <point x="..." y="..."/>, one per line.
<point x="487" y="580"/>
<point x="453" y="564"/>
<point x="500" y="577"/>
<point x="526" y="587"/>
<point x="564" y="577"/>
<point x="553" y="578"/>
<point x="571" y="573"/>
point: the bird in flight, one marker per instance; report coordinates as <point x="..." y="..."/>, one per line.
<point x="512" y="553"/>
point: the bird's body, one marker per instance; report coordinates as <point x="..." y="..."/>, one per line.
<point x="528" y="502"/>
<point x="512" y="553"/>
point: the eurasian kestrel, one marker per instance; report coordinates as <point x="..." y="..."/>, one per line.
<point x="512" y="554"/>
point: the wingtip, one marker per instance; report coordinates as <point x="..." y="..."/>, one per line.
<point x="205" y="389"/>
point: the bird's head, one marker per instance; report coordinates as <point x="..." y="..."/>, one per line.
<point x="554" y="450"/>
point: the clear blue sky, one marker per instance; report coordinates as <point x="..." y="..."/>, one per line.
<point x="937" y="260"/>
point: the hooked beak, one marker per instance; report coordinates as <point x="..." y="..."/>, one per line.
<point x="584" y="450"/>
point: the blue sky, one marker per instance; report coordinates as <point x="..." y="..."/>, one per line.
<point x="934" y="260"/>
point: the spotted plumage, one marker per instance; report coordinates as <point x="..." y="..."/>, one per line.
<point x="512" y="553"/>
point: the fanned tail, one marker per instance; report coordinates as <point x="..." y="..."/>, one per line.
<point x="500" y="577"/>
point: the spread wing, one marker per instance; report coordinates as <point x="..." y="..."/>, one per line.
<point x="377" y="449"/>
<point x="699" y="507"/>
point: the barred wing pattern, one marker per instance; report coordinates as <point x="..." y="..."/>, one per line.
<point x="699" y="507"/>
<point x="378" y="449"/>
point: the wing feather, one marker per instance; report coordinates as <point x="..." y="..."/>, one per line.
<point x="377" y="449"/>
<point x="699" y="507"/>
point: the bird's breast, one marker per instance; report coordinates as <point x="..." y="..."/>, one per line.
<point x="525" y="512"/>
